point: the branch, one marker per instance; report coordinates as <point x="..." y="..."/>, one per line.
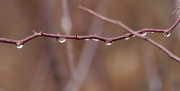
<point x="61" y="37"/>
<point x="167" y="32"/>
<point x="141" y="34"/>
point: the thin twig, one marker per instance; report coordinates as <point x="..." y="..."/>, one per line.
<point x="89" y="49"/>
<point x="106" y="40"/>
<point x="77" y="37"/>
<point x="66" y="24"/>
<point x="166" y="31"/>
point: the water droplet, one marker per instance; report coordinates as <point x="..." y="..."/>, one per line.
<point x="108" y="43"/>
<point x="86" y="39"/>
<point x="167" y="34"/>
<point x="127" y="38"/>
<point x="19" y="46"/>
<point x="134" y="36"/>
<point x="144" y="34"/>
<point x="95" y="39"/>
<point x="62" y="40"/>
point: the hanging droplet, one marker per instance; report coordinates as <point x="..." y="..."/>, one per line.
<point x="108" y="43"/>
<point x="134" y="36"/>
<point x="19" y="46"/>
<point x="167" y="34"/>
<point x="86" y="39"/>
<point x="62" y="40"/>
<point x="144" y="34"/>
<point x="95" y="39"/>
<point x="127" y="38"/>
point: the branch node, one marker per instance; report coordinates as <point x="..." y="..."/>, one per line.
<point x="40" y="33"/>
<point x="34" y="31"/>
<point x="77" y="37"/>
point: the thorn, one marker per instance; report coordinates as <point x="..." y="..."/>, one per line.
<point x="142" y="27"/>
<point x="34" y="32"/>
<point x="57" y="33"/>
<point x="108" y="41"/>
<point x="124" y="31"/>
<point x="40" y="33"/>
<point x="56" y="40"/>
<point x="18" y="43"/>
<point x="176" y="10"/>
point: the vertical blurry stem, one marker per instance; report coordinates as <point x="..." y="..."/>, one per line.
<point x="89" y="49"/>
<point x="40" y="74"/>
<point x="66" y="24"/>
<point x="43" y="67"/>
<point x="168" y="65"/>
<point x="71" y="65"/>
<point x="177" y="13"/>
<point x="151" y="69"/>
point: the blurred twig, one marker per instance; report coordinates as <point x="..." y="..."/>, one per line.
<point x="44" y="66"/>
<point x="151" y="69"/>
<point x="176" y="10"/>
<point x="40" y="74"/>
<point x="66" y="24"/>
<point x="89" y="49"/>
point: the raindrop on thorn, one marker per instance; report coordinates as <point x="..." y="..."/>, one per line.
<point x="86" y="39"/>
<point x="167" y="34"/>
<point x="127" y="38"/>
<point x="95" y="39"/>
<point x="19" y="46"/>
<point x="108" y="43"/>
<point x="62" y="40"/>
<point x="144" y="34"/>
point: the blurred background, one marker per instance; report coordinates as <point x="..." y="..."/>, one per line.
<point x="78" y="65"/>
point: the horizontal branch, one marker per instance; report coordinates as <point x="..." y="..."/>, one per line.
<point x="141" y="34"/>
<point x="77" y="37"/>
<point x="167" y="32"/>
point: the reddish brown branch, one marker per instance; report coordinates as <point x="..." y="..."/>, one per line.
<point x="77" y="37"/>
<point x="106" y="40"/>
<point x="166" y="31"/>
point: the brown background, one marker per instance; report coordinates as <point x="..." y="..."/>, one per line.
<point x="42" y="64"/>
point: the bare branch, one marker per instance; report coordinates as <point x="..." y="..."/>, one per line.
<point x="77" y="37"/>
<point x="108" y="41"/>
<point x="166" y="31"/>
